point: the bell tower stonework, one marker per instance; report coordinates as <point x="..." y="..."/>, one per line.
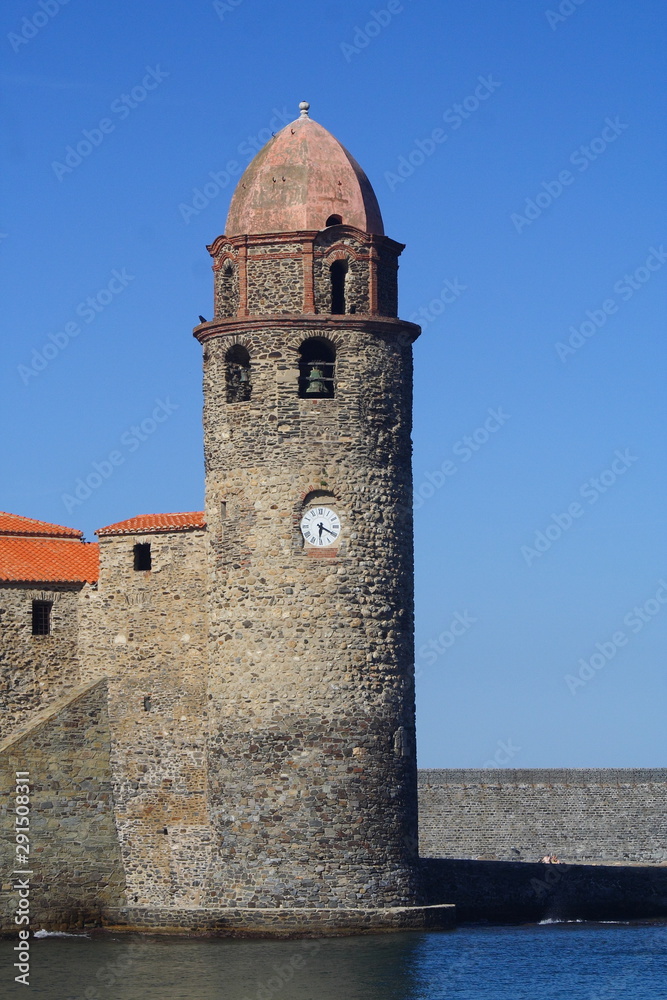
<point x="307" y="417"/>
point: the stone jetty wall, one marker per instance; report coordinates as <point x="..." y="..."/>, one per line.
<point x="599" y="815"/>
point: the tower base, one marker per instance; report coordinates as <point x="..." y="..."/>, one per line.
<point x="283" y="922"/>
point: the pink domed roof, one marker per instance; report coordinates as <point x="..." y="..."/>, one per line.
<point x="299" y="180"/>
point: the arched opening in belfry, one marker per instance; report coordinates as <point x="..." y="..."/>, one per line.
<point x="338" y="279"/>
<point x="317" y="369"/>
<point x="334" y="220"/>
<point x="237" y="374"/>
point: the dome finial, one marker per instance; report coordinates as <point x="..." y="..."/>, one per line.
<point x="304" y="107"/>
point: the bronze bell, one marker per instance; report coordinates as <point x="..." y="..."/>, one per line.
<point x="243" y="375"/>
<point x="316" y="382"/>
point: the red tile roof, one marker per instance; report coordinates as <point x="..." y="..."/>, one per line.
<point x="14" y="524"/>
<point x="152" y="523"/>
<point x="321" y="176"/>
<point x="48" y="560"/>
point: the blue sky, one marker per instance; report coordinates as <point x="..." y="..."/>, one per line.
<point x="517" y="147"/>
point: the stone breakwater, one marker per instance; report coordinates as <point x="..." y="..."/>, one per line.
<point x="594" y="815"/>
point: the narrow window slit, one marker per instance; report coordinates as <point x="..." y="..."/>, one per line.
<point x="41" y="617"/>
<point x="338" y="277"/>
<point x="142" y="556"/>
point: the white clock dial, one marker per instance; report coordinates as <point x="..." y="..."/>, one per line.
<point x="320" y="526"/>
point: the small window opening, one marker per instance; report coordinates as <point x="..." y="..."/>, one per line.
<point x="334" y="220"/>
<point x="148" y="704"/>
<point x="317" y="369"/>
<point x="237" y="374"/>
<point x="142" y="556"/>
<point x="228" y="271"/>
<point x="41" y="617"/>
<point x="338" y="276"/>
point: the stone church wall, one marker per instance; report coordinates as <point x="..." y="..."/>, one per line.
<point x="35" y="670"/>
<point x="279" y="288"/>
<point x="74" y="853"/>
<point x="227" y="290"/>
<point x="603" y="815"/>
<point x="146" y="630"/>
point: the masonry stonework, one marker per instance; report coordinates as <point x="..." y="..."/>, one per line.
<point x="36" y="669"/>
<point x="596" y="815"/>
<point x="145" y="631"/>
<point x="76" y="865"/>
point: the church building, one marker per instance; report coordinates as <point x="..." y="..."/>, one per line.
<point x="207" y="719"/>
<point x="248" y="671"/>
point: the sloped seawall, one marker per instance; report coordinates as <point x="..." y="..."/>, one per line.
<point x="59" y="857"/>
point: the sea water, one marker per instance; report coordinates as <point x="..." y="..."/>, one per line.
<point x="569" y="961"/>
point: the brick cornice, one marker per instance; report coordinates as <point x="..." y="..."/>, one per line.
<point x="261" y="239"/>
<point x="381" y="325"/>
<point x="302" y="236"/>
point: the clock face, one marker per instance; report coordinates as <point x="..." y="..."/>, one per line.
<point x="320" y="526"/>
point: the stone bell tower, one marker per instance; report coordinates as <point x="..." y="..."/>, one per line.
<point x="307" y="415"/>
